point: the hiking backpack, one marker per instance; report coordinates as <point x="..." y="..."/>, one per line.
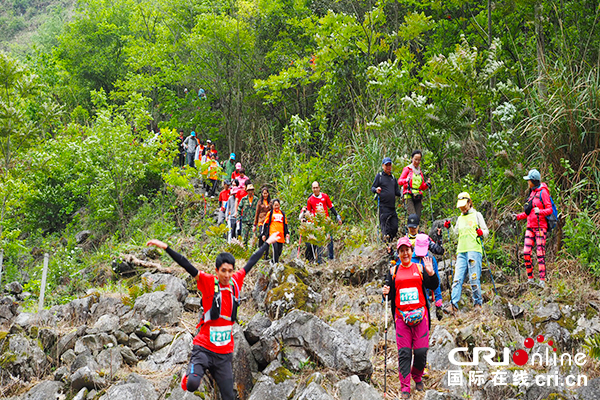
<point x="552" y="219"/>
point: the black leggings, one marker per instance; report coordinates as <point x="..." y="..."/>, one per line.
<point x="219" y="366"/>
<point x="277" y="248"/>
<point x="261" y="242"/>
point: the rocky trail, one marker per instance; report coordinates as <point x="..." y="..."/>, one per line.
<point x="305" y="332"/>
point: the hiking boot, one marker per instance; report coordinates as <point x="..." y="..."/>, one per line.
<point x="405" y="395"/>
<point x="450" y="309"/>
<point x="542" y="284"/>
<point x="477" y="307"/>
<point x="439" y="313"/>
<point x="530" y="281"/>
<point x="419" y="386"/>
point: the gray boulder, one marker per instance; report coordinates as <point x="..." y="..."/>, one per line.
<point x="328" y="345"/>
<point x="548" y="312"/>
<point x="435" y="395"/>
<point x="82" y="236"/>
<point x="179" y="394"/>
<point x="133" y="388"/>
<point x="362" y="334"/>
<point x="272" y="388"/>
<point x="108" y="305"/>
<point x="68" y="357"/>
<point x="314" y="391"/>
<point x="8" y="310"/>
<point x="106" y="323"/>
<point x="109" y="361"/>
<point x="14" y="288"/>
<point x="591" y="391"/>
<point x="441" y="343"/>
<point x="244" y="364"/>
<point x="257" y="325"/>
<point x="129" y="356"/>
<point x="94" y="343"/>
<point x="46" y="390"/>
<point x="160" y="308"/>
<point x="178" y="352"/>
<point x="295" y="357"/>
<point x="81" y="395"/>
<point x="22" y="358"/>
<point x="88" y="378"/>
<point x="192" y="304"/>
<point x="67" y="342"/>
<point x="352" y="388"/>
<point x="171" y="283"/>
<point x="162" y="340"/>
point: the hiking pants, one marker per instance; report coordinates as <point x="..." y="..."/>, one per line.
<point x="539" y="236"/>
<point x="388" y="220"/>
<point x="413" y="344"/>
<point x="189" y="160"/>
<point x="414" y="206"/>
<point x="219" y="366"/>
<point x="277" y="249"/>
<point x="261" y="242"/>
<point x="468" y="266"/>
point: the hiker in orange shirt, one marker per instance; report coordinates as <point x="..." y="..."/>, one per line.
<point x="275" y="221"/>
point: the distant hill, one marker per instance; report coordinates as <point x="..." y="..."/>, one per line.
<point x="25" y="21"/>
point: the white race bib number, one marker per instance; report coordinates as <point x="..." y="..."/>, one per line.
<point x="220" y="335"/>
<point x="409" y="296"/>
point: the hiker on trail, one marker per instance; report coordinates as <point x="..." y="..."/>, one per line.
<point x="247" y="210"/>
<point x="213" y="152"/>
<point x="262" y="209"/>
<point x="243" y="178"/>
<point x="231" y="210"/>
<point x="223" y="198"/>
<point x="406" y="283"/>
<point x="241" y="193"/>
<point x="424" y="246"/>
<point x="206" y="150"/>
<point x="236" y="173"/>
<point x="181" y="149"/>
<point x="213" y="345"/>
<point x="471" y="230"/>
<point x="276" y="222"/>
<point x="386" y="187"/>
<point x="319" y="202"/>
<point x="537" y="208"/>
<point x="213" y="176"/>
<point x="413" y="184"/>
<point x="190" y="143"/>
<point x="229" y="165"/>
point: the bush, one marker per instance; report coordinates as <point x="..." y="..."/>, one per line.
<point x="582" y="240"/>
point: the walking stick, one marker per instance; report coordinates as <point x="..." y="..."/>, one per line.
<point x="451" y="266"/>
<point x="385" y="346"/>
<point x="378" y="219"/>
<point x="299" y="244"/>
<point x="488" y="263"/>
<point x="517" y="267"/>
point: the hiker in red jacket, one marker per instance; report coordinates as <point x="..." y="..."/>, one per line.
<point x="413" y="184"/>
<point x="213" y="345"/>
<point x="537" y="208"/>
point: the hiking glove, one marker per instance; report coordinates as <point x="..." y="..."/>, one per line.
<point x="447" y="224"/>
<point x="479" y="232"/>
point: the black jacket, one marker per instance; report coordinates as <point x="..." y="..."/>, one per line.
<point x="429" y="282"/>
<point x="389" y="190"/>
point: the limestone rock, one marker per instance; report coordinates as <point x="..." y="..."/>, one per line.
<point x="441" y="343"/>
<point x="82" y="236"/>
<point x="46" y="390"/>
<point x="160" y="308"/>
<point x="171" y="283"/>
<point x="178" y="352"/>
<point x="548" y="312"/>
<point x="315" y="391"/>
<point x="133" y="388"/>
<point x="244" y="364"/>
<point x="352" y="388"/>
<point x="256" y="327"/>
<point x="86" y="377"/>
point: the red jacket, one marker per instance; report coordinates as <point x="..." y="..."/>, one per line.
<point x="405" y="180"/>
<point x="545" y="208"/>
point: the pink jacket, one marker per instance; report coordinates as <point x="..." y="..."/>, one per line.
<point x="545" y="208"/>
<point x="406" y="180"/>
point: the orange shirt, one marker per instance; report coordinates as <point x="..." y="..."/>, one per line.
<point x="277" y="222"/>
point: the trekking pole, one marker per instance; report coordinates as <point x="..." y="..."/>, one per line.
<point x="385" y="346"/>
<point x="299" y="244"/>
<point x="488" y="263"/>
<point x="451" y="267"/>
<point x="378" y="219"/>
<point x="517" y="267"/>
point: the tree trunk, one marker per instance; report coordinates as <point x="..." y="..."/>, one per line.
<point x="541" y="62"/>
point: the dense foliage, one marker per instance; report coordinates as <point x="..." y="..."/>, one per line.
<point x="301" y="91"/>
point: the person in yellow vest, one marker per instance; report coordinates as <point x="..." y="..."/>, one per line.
<point x="471" y="230"/>
<point x="213" y="176"/>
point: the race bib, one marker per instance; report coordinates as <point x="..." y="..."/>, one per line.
<point x="409" y="296"/>
<point x="220" y="335"/>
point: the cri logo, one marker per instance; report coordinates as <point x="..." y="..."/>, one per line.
<point x="520" y="357"/>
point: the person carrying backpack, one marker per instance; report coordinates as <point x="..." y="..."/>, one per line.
<point x="190" y="143"/>
<point x="276" y="222"/>
<point x="471" y="230"/>
<point x="406" y="284"/>
<point x="213" y="345"/>
<point x="229" y="165"/>
<point x="387" y="189"/>
<point x="413" y="184"/>
<point x="538" y="209"/>
<point x="247" y="209"/>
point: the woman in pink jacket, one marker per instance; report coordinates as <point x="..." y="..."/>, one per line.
<point x="412" y="181"/>
<point x="537" y="208"/>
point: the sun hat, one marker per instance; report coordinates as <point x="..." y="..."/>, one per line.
<point x="403" y="241"/>
<point x="421" y="245"/>
<point x="463" y="199"/>
<point x="250" y="187"/>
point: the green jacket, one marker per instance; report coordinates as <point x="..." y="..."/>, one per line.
<point x="229" y="168"/>
<point x="248" y="210"/>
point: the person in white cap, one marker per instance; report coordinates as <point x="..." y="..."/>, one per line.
<point x="471" y="229"/>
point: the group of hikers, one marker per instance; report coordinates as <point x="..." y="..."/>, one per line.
<point x="411" y="278"/>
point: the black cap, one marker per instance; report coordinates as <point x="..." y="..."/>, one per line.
<point x="413" y="221"/>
